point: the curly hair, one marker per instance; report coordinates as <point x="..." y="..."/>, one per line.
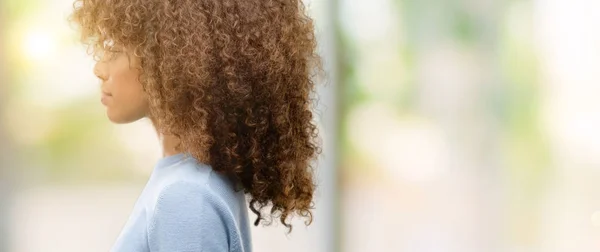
<point x="233" y="80"/>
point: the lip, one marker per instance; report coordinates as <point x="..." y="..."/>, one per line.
<point x="105" y="98"/>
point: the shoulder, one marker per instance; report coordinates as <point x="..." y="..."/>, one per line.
<point x="182" y="194"/>
<point x="193" y="186"/>
<point x="187" y="214"/>
<point x="187" y="170"/>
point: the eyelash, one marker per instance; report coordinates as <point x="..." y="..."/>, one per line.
<point x="110" y="47"/>
<point x="112" y="52"/>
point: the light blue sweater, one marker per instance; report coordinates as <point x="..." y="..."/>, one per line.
<point x="185" y="206"/>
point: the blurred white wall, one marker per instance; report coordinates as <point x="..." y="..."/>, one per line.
<point x="568" y="41"/>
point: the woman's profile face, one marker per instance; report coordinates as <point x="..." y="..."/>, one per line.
<point x="122" y="92"/>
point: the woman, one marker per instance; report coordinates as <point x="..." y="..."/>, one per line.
<point x="227" y="85"/>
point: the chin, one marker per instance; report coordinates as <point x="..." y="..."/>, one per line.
<point x="122" y="119"/>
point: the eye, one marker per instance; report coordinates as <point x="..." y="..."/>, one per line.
<point x="111" y="50"/>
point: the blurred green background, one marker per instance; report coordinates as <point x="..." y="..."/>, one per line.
<point x="455" y="125"/>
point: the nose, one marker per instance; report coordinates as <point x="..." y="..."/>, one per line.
<point x="100" y="70"/>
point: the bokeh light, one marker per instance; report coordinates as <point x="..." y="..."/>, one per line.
<point x="39" y="45"/>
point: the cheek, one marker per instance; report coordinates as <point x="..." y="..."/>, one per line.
<point x="129" y="102"/>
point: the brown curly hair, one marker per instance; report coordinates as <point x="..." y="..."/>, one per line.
<point x="232" y="79"/>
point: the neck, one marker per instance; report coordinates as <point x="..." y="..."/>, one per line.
<point x="169" y="144"/>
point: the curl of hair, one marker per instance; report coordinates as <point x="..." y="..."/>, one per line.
<point x="232" y="79"/>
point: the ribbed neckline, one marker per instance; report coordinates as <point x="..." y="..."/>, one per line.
<point x="170" y="160"/>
